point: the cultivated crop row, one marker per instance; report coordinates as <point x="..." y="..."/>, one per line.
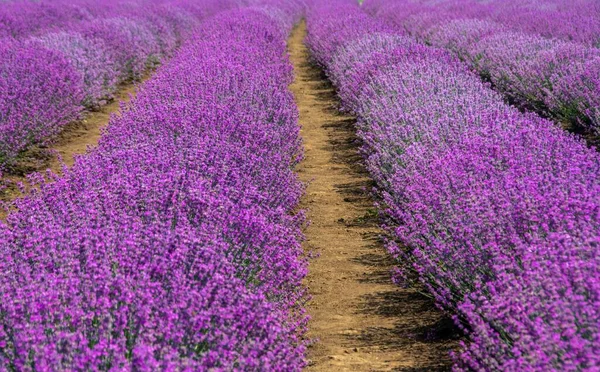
<point x="59" y="58"/>
<point x="171" y="246"/>
<point x="496" y="211"/>
<point x="557" y="77"/>
<point x="577" y="20"/>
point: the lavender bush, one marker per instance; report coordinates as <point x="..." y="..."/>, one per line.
<point x="171" y="246"/>
<point x="530" y="69"/>
<point x="105" y="44"/>
<point x="133" y="43"/>
<point x="576" y="91"/>
<point x="577" y="20"/>
<point x="92" y="59"/>
<point x="496" y="211"/>
<point x="569" y="20"/>
<point x="20" y="18"/>
<point x="40" y="91"/>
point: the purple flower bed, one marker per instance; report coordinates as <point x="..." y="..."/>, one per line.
<point x="171" y="246"/>
<point x="570" y="20"/>
<point x="577" y="20"/>
<point x="105" y="44"/>
<point x="132" y="43"/>
<point x="533" y="71"/>
<point x="91" y="58"/>
<point x="40" y="91"/>
<point x="498" y="212"/>
<point x="20" y="18"/>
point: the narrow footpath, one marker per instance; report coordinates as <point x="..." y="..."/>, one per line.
<point x="360" y="321"/>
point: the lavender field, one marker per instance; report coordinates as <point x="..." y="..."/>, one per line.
<point x="397" y="185"/>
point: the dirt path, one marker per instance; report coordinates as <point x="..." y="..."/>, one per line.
<point x="361" y="320"/>
<point x="76" y="138"/>
<point x="72" y="141"/>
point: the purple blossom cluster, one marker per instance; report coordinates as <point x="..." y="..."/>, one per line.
<point x="497" y="211"/>
<point x="61" y="57"/>
<point x="172" y="245"/>
<point x="21" y="18"/>
<point x="91" y="58"/>
<point x="571" y="20"/>
<point x="575" y="20"/>
<point x="40" y="91"/>
<point x="553" y="76"/>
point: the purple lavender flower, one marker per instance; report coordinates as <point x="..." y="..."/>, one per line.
<point x="105" y="43"/>
<point x="530" y="51"/>
<point x="90" y="57"/>
<point x="171" y="246"/>
<point x="497" y="211"/>
<point x="40" y="91"/>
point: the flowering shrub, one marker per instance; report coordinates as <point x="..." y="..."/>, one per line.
<point x="40" y="91"/>
<point x="132" y="42"/>
<point x="90" y="57"/>
<point x="578" y="21"/>
<point x="181" y="21"/>
<point x="568" y="20"/>
<point x="496" y="211"/>
<point x="575" y="92"/>
<point x="105" y="43"/>
<point x="19" y="19"/>
<point x="531" y="69"/>
<point x="171" y="246"/>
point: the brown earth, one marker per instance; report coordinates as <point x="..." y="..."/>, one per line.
<point x="74" y="140"/>
<point x="360" y="320"/>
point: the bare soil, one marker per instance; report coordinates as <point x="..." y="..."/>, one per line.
<point x="360" y="320"/>
<point x="74" y="140"/>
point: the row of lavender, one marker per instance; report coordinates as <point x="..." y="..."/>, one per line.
<point x="557" y="77"/>
<point x="23" y="18"/>
<point x="498" y="212"/>
<point x="58" y="58"/>
<point x="574" y="20"/>
<point x="171" y="245"/>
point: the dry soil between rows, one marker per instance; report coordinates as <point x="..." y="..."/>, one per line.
<point x="359" y="319"/>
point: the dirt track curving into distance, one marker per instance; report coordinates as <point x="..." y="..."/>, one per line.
<point x="360" y="320"/>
